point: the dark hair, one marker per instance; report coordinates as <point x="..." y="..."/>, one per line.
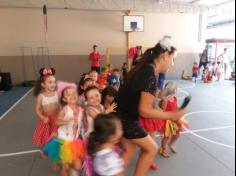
<point x="95" y="46"/>
<point x="108" y="91"/>
<point x="82" y="82"/>
<point x="148" y="58"/>
<point x="42" y="79"/>
<point x="89" y="89"/>
<point x="104" y="127"/>
<point x="116" y="70"/>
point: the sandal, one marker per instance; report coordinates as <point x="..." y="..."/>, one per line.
<point x="164" y="153"/>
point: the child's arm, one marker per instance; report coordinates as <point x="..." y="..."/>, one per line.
<point x="38" y="110"/>
<point x="164" y="104"/>
<point x="61" y="121"/>
<point x="92" y="113"/>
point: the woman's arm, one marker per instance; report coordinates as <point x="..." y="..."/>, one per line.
<point x="146" y="109"/>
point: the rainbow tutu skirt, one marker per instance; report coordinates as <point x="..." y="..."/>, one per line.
<point x="61" y="151"/>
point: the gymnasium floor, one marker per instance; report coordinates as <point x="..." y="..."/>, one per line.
<point x="207" y="150"/>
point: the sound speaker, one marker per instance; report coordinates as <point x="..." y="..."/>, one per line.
<point x="5" y="83"/>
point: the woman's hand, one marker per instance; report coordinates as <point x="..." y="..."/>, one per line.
<point x="176" y="115"/>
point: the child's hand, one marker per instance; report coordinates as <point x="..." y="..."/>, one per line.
<point x="70" y="121"/>
<point x="45" y="119"/>
<point x="111" y="108"/>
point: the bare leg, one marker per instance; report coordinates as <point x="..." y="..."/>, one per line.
<point x="225" y="70"/>
<point x="154" y="166"/>
<point x="153" y="135"/>
<point x="129" y="151"/>
<point x="163" y="147"/>
<point x="77" y="165"/>
<point x="172" y="141"/>
<point x="148" y="153"/>
<point x="65" y="170"/>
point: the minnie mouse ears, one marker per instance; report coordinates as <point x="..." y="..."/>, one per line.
<point x="47" y="71"/>
<point x="166" y="42"/>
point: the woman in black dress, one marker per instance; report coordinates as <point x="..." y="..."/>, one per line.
<point x="135" y="99"/>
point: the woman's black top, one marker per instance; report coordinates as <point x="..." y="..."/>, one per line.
<point x="128" y="99"/>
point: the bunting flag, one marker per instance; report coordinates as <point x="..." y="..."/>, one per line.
<point x="45" y="23"/>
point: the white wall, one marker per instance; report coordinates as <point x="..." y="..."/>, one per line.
<point x="74" y="32"/>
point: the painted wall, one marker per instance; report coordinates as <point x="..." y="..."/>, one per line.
<point x="72" y="34"/>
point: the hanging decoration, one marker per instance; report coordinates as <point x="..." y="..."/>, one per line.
<point x="45" y="18"/>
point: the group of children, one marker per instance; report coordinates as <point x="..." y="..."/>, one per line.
<point x="78" y="130"/>
<point x="212" y="71"/>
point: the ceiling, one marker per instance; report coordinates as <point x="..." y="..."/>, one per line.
<point x="183" y="6"/>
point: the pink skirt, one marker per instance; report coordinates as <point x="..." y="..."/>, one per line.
<point x="44" y="132"/>
<point x="152" y="125"/>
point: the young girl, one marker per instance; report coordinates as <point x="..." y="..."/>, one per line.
<point x="101" y="143"/>
<point x="195" y="71"/>
<point x="84" y="83"/>
<point x="171" y="128"/>
<point x="218" y="71"/>
<point x="108" y="95"/>
<point x="47" y="107"/>
<point x="67" y="148"/>
<point x="94" y="107"/>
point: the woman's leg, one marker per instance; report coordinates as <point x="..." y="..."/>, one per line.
<point x="154" y="166"/>
<point x="148" y="153"/>
<point x="129" y="151"/>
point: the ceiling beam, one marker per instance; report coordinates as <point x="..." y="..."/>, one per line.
<point x="194" y="1"/>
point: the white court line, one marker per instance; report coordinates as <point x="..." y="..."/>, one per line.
<point x="203" y="138"/>
<point x="205" y="111"/>
<point x="19" y="153"/>
<point x="211" y="141"/>
<point x="185" y="132"/>
<point x="204" y="130"/>
<point x="15" y="104"/>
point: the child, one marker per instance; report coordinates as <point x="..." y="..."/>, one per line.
<point x="67" y="149"/>
<point x="195" y="71"/>
<point x="114" y="79"/>
<point x="102" y="79"/>
<point x="47" y="107"/>
<point x="84" y="83"/>
<point x="101" y="143"/>
<point x="94" y="107"/>
<point x="161" y="81"/>
<point x="218" y="71"/>
<point x="172" y="128"/>
<point x="124" y="69"/>
<point x="108" y="95"/>
<point x="94" y="76"/>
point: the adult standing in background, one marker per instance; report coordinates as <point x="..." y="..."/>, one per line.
<point x="94" y="58"/>
<point x="135" y="99"/>
<point x="203" y="59"/>
<point x="134" y="55"/>
<point x="224" y="58"/>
